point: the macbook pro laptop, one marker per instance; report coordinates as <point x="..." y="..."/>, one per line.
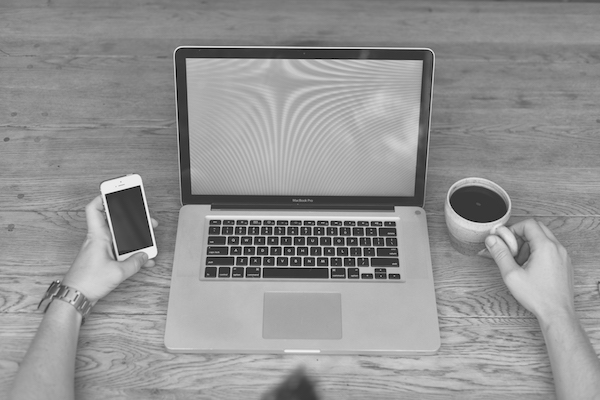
<point x="302" y="182"/>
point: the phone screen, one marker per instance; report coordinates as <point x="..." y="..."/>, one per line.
<point x="129" y="219"/>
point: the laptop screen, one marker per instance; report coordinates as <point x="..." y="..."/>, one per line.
<point x="304" y="128"/>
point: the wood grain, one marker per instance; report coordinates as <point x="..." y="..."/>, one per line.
<point x="86" y="93"/>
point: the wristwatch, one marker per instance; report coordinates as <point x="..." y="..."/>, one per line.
<point x="68" y="294"/>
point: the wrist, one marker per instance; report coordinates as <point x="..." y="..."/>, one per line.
<point x="58" y="292"/>
<point x="64" y="312"/>
<point x="561" y="316"/>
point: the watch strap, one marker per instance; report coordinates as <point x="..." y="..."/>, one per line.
<point x="67" y="294"/>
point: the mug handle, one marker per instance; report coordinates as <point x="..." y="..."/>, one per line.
<point x="508" y="237"/>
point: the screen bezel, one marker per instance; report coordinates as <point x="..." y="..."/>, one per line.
<point x="181" y="54"/>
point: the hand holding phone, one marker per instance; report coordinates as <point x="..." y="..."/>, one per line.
<point x="128" y="217"/>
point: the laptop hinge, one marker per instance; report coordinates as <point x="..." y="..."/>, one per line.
<point x="322" y="207"/>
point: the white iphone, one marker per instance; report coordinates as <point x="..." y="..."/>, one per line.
<point x="128" y="218"/>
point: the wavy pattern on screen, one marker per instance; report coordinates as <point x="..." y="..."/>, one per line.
<point x="303" y="127"/>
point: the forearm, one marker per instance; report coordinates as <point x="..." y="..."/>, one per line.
<point x="48" y="369"/>
<point x="574" y="362"/>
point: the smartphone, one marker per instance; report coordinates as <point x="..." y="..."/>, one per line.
<point x="128" y="218"/>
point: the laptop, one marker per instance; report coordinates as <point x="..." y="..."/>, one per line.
<point x="302" y="183"/>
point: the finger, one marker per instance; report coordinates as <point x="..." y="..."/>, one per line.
<point x="94" y="214"/>
<point x="154" y="223"/>
<point x="524" y="253"/>
<point x="501" y="254"/>
<point x="548" y="232"/>
<point x="531" y="231"/>
<point x="133" y="264"/>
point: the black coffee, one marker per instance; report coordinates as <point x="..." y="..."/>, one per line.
<point x="478" y="204"/>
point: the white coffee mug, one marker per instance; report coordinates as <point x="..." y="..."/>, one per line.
<point x="468" y="237"/>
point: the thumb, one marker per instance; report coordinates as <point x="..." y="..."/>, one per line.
<point x="501" y="254"/>
<point x="134" y="263"/>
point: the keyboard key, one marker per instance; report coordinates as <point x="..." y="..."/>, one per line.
<point x="215" y="222"/>
<point x="385" y="262"/>
<point x="387" y="252"/>
<point x="349" y="262"/>
<point x="338" y="273"/>
<point x="353" y="273"/>
<point x="358" y="231"/>
<point x="210" y="272"/>
<point x="225" y="261"/>
<point x="268" y="261"/>
<point x="224" y="272"/>
<point x="387" y="232"/>
<point x="378" y="242"/>
<point x="299" y="273"/>
<point x="322" y="261"/>
<point x="252" y="272"/>
<point x="237" y="272"/>
<point x="216" y="240"/>
<point x="309" y="261"/>
<point x="394" y="276"/>
<point x="336" y="262"/>
<point x="255" y="261"/>
<point x="282" y="261"/>
<point x="366" y="276"/>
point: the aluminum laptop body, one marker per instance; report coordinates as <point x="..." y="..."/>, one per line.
<point x="279" y="140"/>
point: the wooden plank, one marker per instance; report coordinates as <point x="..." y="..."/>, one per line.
<point x="112" y="360"/>
<point x="112" y="357"/>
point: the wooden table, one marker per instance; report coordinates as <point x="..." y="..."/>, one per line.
<point x="86" y="93"/>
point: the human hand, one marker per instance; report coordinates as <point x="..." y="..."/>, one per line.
<point x="95" y="272"/>
<point x="540" y="277"/>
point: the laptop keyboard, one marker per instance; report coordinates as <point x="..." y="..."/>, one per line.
<point x="302" y="249"/>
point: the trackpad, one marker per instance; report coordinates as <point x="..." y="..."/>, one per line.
<point x="292" y="315"/>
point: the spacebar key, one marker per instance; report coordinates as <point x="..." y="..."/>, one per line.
<point x="297" y="273"/>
